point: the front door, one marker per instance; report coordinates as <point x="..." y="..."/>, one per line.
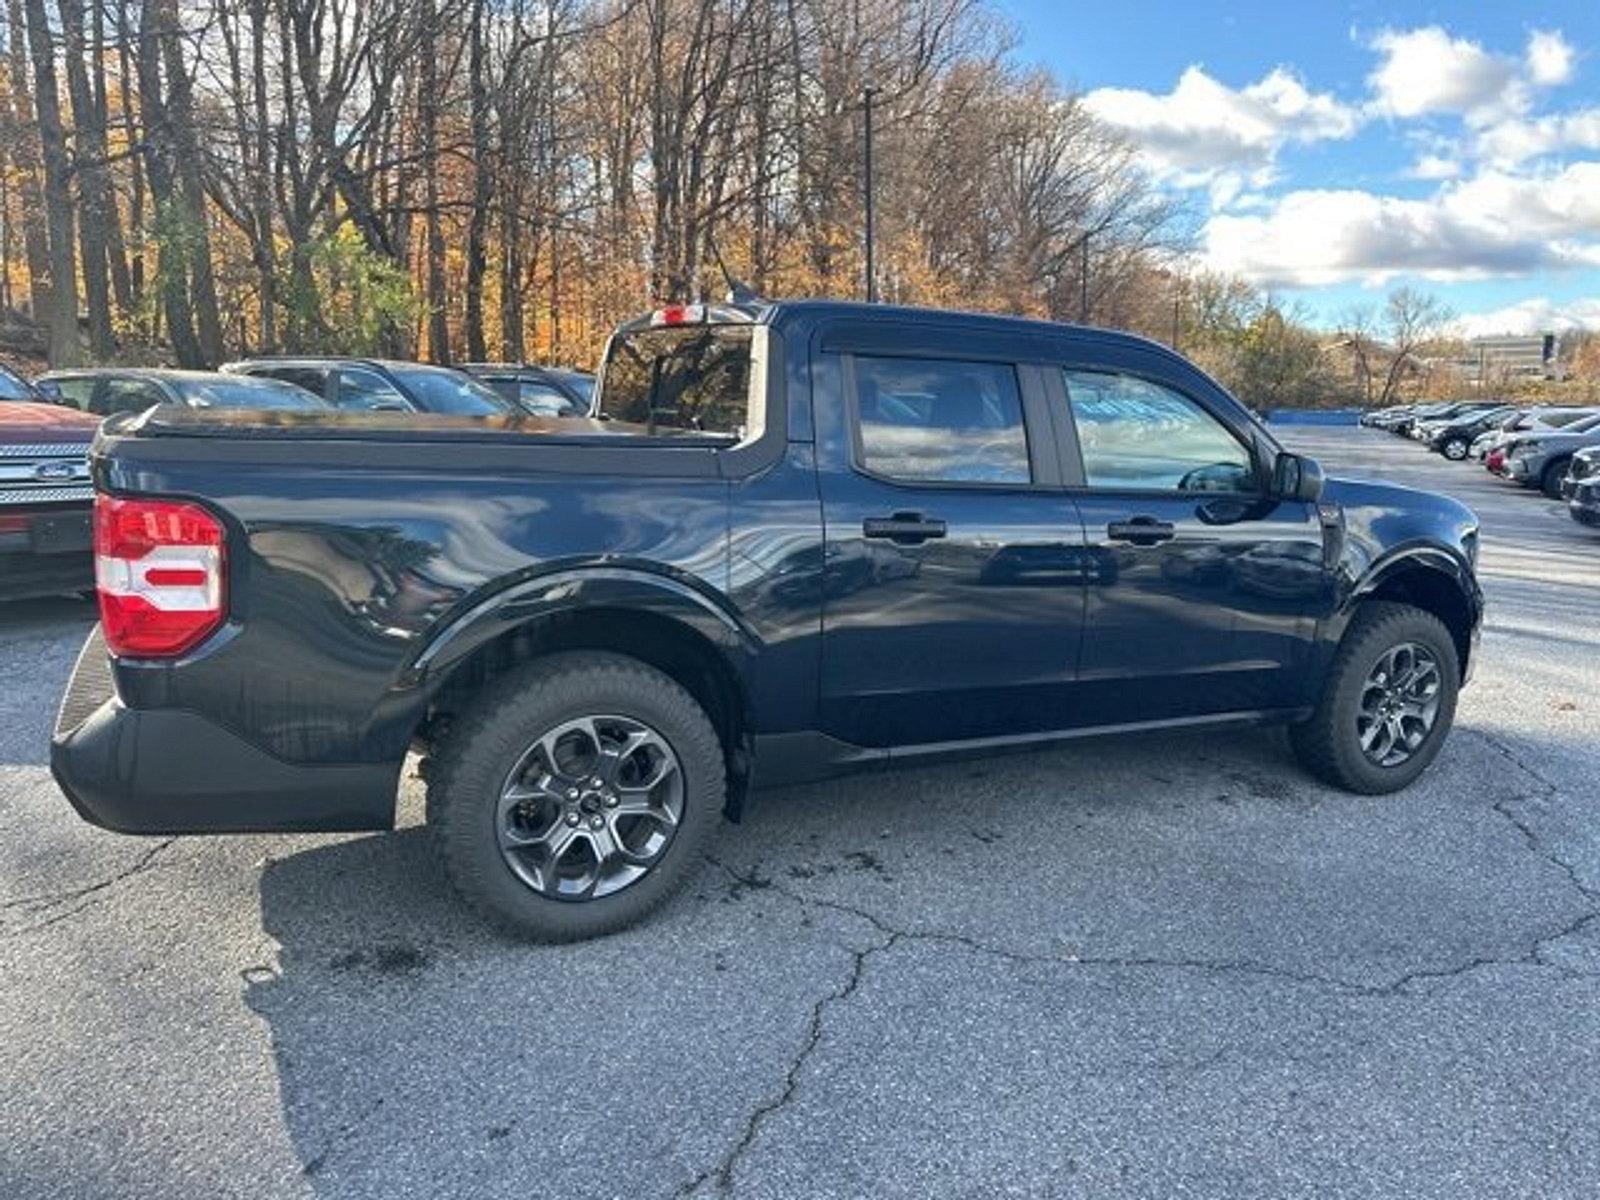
<point x="1205" y="590"/>
<point x="953" y="580"/>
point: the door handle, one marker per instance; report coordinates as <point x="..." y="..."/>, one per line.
<point x="1141" y="531"/>
<point x="903" y="528"/>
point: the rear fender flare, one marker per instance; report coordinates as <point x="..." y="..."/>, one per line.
<point x="630" y="589"/>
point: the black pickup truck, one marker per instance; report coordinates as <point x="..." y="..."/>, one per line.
<point x="809" y="536"/>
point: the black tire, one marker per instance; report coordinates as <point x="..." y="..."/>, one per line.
<point x="486" y="743"/>
<point x="1455" y="449"/>
<point x="1327" y="744"/>
<point x="1554" y="473"/>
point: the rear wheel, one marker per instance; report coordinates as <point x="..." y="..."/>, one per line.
<point x="1388" y="703"/>
<point x="576" y="794"/>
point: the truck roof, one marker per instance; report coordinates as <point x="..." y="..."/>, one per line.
<point x="782" y="312"/>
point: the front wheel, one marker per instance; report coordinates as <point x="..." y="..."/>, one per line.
<point x="1550" y="481"/>
<point x="576" y="795"/>
<point x="1455" y="449"/>
<point x="1388" y="702"/>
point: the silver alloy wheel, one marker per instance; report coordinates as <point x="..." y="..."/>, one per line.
<point x="1399" y="704"/>
<point x="590" y="807"/>
<point x="1455" y="449"/>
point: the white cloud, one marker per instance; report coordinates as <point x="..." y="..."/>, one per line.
<point x="1435" y="166"/>
<point x="1427" y="71"/>
<point x="1517" y="139"/>
<point x="1538" y="315"/>
<point x="1496" y="224"/>
<point x="1550" y="58"/>
<point x="1204" y="130"/>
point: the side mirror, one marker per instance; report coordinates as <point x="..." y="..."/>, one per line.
<point x="1296" y="477"/>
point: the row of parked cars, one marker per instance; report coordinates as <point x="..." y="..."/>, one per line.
<point x="46" y="426"/>
<point x="1556" y="450"/>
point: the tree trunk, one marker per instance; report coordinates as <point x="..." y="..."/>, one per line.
<point x="172" y="266"/>
<point x="191" y="194"/>
<point x="482" y="185"/>
<point x="62" y="317"/>
<point x="93" y="185"/>
<point x="428" y="79"/>
<point x="25" y="154"/>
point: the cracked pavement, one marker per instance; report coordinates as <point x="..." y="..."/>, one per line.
<point x="1167" y="966"/>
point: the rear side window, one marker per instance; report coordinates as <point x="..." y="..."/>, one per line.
<point x="932" y="420"/>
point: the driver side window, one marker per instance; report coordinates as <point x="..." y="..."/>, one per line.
<point x="1137" y="435"/>
<point x="360" y="388"/>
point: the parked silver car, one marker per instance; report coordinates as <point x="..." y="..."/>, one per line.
<point x="1529" y="420"/>
<point x="1539" y="458"/>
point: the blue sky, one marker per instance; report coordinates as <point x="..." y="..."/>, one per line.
<point x="1331" y="152"/>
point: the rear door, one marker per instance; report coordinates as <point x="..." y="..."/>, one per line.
<point x="1205" y="591"/>
<point x="953" y="589"/>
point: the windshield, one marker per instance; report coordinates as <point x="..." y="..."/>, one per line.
<point x="692" y="377"/>
<point x="1585" y="425"/>
<point x="1560" y="420"/>
<point x="240" y="391"/>
<point x="443" y="391"/>
<point x="12" y="387"/>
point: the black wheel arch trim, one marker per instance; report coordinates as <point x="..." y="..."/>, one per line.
<point x="568" y="589"/>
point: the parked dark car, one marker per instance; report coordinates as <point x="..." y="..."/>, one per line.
<point x="541" y="391"/>
<point x="1439" y="413"/>
<point x="813" y="536"/>
<point x="1453" y="437"/>
<point x="1583" y="500"/>
<point x="1585" y="465"/>
<point x="45" y="499"/>
<point x="383" y="385"/>
<point x="106" y="390"/>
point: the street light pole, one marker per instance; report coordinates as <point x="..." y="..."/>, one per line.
<point x="872" y="280"/>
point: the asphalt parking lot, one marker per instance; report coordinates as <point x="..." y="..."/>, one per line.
<point x="1166" y="967"/>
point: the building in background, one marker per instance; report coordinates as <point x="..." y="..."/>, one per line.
<point x="1494" y="360"/>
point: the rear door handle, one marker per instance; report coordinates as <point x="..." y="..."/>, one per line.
<point x="904" y="528"/>
<point x="1141" y="531"/>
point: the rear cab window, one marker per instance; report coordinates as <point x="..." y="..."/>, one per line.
<point x="706" y="378"/>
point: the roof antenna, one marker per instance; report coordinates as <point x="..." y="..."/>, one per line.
<point x="738" y="293"/>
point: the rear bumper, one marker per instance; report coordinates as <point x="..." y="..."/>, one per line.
<point x="171" y="771"/>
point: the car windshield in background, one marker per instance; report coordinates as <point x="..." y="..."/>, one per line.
<point x="12" y="387"/>
<point x="1567" y="420"/>
<point x="442" y="391"/>
<point x="693" y="377"/>
<point x="244" y="392"/>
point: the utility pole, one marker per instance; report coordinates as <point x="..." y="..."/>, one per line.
<point x="872" y="280"/>
<point x="1083" y="283"/>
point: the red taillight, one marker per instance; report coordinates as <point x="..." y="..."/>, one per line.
<point x="158" y="567"/>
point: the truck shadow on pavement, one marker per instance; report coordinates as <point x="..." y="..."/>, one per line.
<point x="1162" y="881"/>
